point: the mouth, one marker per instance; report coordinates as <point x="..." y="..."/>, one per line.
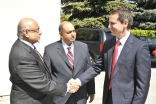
<point x="72" y="38"/>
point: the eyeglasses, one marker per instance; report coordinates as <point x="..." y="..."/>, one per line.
<point x="37" y="30"/>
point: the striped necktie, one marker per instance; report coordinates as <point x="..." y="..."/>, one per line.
<point x="70" y="58"/>
<point x="38" y="53"/>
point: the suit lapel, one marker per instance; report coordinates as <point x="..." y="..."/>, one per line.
<point x="28" y="48"/>
<point x="76" y="53"/>
<point x="43" y="62"/>
<point x="62" y="53"/>
<point x="110" y="54"/>
<point x="124" y="53"/>
<point x="36" y="55"/>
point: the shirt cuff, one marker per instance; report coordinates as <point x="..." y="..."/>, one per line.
<point x="78" y="80"/>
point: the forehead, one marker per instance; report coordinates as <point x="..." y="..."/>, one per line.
<point x="33" y="25"/>
<point x="114" y="17"/>
<point x="68" y="26"/>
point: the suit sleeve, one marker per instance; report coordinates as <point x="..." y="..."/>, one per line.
<point x="142" y="75"/>
<point x="47" y="59"/>
<point x="94" y="70"/>
<point x="30" y="72"/>
<point x="91" y="83"/>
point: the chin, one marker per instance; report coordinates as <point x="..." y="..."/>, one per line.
<point x="39" y="41"/>
<point x="72" y="40"/>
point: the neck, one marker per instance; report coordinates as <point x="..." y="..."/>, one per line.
<point x="123" y="34"/>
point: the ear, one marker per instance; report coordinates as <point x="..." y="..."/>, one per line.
<point x="125" y="23"/>
<point x="25" y="33"/>
<point x="60" y="35"/>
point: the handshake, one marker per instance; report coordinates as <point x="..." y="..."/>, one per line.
<point x="74" y="85"/>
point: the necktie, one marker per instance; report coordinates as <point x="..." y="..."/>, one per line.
<point x="70" y="58"/>
<point x="38" y="53"/>
<point x="114" y="62"/>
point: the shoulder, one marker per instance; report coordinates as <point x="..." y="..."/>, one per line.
<point x="80" y="43"/>
<point x="52" y="45"/>
<point x="138" y="41"/>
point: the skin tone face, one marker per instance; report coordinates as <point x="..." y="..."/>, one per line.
<point x="117" y="28"/>
<point x="68" y="33"/>
<point x="32" y="32"/>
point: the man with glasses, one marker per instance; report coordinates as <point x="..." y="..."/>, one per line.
<point x="30" y="77"/>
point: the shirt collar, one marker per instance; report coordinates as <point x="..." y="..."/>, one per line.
<point x="123" y="40"/>
<point x="28" y="43"/>
<point x="66" y="46"/>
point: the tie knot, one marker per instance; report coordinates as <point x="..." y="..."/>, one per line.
<point x="34" y="47"/>
<point x="118" y="42"/>
<point x="69" y="48"/>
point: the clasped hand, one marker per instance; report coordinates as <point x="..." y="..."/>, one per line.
<point x="73" y="85"/>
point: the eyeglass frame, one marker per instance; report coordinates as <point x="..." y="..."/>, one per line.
<point x="36" y="30"/>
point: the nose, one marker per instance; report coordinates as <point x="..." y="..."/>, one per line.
<point x="73" y="32"/>
<point x="40" y="32"/>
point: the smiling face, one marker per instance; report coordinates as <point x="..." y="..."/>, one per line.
<point x="117" y="28"/>
<point x="68" y="33"/>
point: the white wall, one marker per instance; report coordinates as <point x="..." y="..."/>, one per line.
<point x="45" y="12"/>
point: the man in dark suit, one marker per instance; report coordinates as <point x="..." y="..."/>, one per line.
<point x="127" y="65"/>
<point x="30" y="77"/>
<point x="66" y="64"/>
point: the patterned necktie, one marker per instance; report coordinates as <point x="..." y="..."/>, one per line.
<point x="38" y="53"/>
<point x="70" y="58"/>
<point x="114" y="58"/>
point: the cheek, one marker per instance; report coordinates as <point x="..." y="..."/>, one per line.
<point x="75" y="35"/>
<point x="36" y="36"/>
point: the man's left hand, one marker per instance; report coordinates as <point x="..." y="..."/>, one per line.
<point x="91" y="96"/>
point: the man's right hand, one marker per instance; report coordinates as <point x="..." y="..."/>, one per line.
<point x="73" y="85"/>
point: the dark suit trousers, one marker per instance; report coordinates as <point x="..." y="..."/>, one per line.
<point x="109" y="97"/>
<point x="71" y="100"/>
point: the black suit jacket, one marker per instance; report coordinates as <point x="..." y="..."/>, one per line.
<point x="130" y="83"/>
<point x="31" y="82"/>
<point x="57" y="61"/>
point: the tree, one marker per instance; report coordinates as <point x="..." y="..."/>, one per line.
<point x="93" y="13"/>
<point x="145" y="14"/>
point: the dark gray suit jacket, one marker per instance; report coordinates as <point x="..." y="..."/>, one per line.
<point x="57" y="61"/>
<point x="130" y="83"/>
<point x="31" y="80"/>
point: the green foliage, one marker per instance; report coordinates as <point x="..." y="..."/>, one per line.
<point x="146" y="15"/>
<point x="93" y="13"/>
<point x="64" y="17"/>
<point x="146" y="4"/>
<point x="151" y="33"/>
<point x="144" y="19"/>
<point x="87" y="22"/>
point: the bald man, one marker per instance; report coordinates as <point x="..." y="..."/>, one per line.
<point x="30" y="77"/>
<point x="70" y="63"/>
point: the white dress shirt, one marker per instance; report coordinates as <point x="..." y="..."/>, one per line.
<point x="122" y="42"/>
<point x="65" y="46"/>
<point x="28" y="43"/>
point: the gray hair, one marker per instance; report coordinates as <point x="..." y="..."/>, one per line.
<point x="20" y="31"/>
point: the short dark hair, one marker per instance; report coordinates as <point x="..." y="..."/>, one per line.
<point x="124" y="14"/>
